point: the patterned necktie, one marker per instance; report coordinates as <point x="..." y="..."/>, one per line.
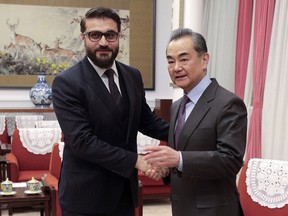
<point x="114" y="91"/>
<point x="181" y="118"/>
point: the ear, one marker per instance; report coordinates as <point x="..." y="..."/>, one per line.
<point x="82" y="36"/>
<point x="205" y="60"/>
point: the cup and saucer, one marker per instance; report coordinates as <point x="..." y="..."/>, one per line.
<point x="7" y="188"/>
<point x="33" y="187"/>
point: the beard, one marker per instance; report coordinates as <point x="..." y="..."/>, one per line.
<point x="102" y="60"/>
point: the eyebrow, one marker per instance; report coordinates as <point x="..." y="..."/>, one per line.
<point x="180" y="55"/>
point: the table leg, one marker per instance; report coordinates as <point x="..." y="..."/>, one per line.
<point x="47" y="209"/>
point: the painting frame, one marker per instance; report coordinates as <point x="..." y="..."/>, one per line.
<point x="141" y="41"/>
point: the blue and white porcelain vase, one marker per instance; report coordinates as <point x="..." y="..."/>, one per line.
<point x="41" y="93"/>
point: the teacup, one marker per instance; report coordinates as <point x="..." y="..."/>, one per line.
<point x="7" y="186"/>
<point x="33" y="185"/>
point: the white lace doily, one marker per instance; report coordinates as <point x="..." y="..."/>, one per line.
<point x="144" y="141"/>
<point x="267" y="182"/>
<point x="39" y="140"/>
<point x="10" y="121"/>
<point x="27" y="121"/>
<point x="47" y="124"/>
<point x="2" y="124"/>
<point x="61" y="148"/>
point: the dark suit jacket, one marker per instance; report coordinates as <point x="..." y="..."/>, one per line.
<point x="98" y="157"/>
<point x="212" y="143"/>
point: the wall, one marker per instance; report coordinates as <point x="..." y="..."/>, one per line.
<point x="163" y="89"/>
<point x="11" y="97"/>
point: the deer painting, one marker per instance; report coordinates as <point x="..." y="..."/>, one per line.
<point x="20" y="44"/>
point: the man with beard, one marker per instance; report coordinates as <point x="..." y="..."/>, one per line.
<point x="100" y="121"/>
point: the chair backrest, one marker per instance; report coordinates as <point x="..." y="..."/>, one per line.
<point x="251" y="207"/>
<point x="4" y="138"/>
<point x="55" y="161"/>
<point x="26" y="159"/>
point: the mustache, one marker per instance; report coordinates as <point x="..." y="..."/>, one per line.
<point x="104" y="49"/>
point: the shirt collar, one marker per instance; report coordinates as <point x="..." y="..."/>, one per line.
<point x="101" y="71"/>
<point x="198" y="90"/>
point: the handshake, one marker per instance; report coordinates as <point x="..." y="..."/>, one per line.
<point x="156" y="163"/>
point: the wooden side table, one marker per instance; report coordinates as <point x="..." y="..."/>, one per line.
<point x="40" y="201"/>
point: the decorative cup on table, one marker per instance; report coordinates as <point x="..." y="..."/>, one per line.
<point x="7" y="187"/>
<point x="33" y="185"/>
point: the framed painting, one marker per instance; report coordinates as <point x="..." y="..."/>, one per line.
<point x="44" y="36"/>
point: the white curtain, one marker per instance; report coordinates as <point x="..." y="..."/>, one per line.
<point x="275" y="107"/>
<point x="220" y="27"/>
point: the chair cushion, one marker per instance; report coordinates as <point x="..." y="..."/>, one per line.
<point x="27" y="175"/>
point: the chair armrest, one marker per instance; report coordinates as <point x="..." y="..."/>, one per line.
<point x="51" y="190"/>
<point x="14" y="166"/>
<point x="51" y="180"/>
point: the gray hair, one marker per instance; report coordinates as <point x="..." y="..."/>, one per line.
<point x="198" y="40"/>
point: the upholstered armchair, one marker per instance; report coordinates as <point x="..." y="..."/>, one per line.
<point x="263" y="187"/>
<point x="30" y="152"/>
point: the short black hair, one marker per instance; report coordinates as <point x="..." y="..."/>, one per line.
<point x="100" y="12"/>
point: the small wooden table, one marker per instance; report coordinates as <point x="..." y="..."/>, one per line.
<point x="40" y="201"/>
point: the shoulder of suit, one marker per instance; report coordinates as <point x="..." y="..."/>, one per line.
<point x="125" y="66"/>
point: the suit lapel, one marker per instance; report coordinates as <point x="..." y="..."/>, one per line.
<point x="192" y="122"/>
<point x="128" y="83"/>
<point x="197" y="114"/>
<point x="173" y="119"/>
<point x="92" y="78"/>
